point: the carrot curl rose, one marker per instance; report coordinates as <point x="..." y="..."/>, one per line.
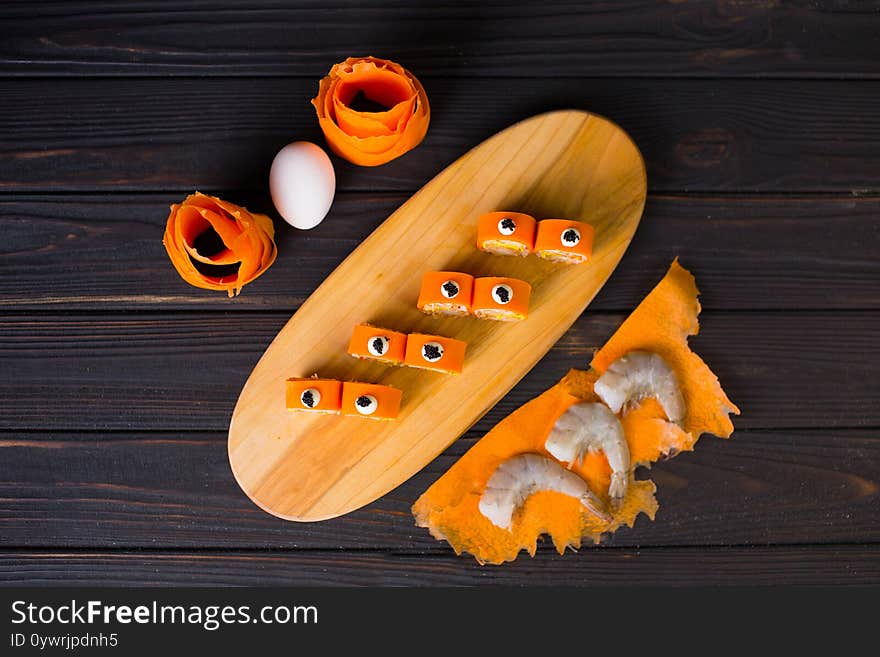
<point x="217" y="245"/>
<point x="371" y="110"/>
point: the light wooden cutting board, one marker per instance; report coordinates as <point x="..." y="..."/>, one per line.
<point x="566" y="164"/>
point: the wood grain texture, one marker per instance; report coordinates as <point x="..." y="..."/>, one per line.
<point x="696" y="135"/>
<point x="183" y="372"/>
<point x="306" y="466"/>
<point x="845" y="565"/>
<point x="114" y="405"/>
<point x="497" y="39"/>
<point x="172" y="490"/>
<point x="748" y="252"/>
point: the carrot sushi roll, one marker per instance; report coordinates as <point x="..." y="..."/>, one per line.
<point x="506" y="233"/>
<point x="446" y="293"/>
<point x="433" y="352"/>
<point x="314" y="395"/>
<point x="369" y="341"/>
<point x="560" y="240"/>
<point x="502" y="299"/>
<point x="370" y="400"/>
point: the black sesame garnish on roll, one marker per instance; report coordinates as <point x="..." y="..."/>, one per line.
<point x="431" y="352"/>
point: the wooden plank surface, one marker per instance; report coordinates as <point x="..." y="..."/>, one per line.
<point x="184" y="371"/>
<point x="498" y="39"/>
<point x="169" y="134"/>
<point x="760" y="129"/>
<point x="173" y="490"/>
<point x="755" y="252"/>
<point x="591" y="172"/>
<point x="844" y="565"/>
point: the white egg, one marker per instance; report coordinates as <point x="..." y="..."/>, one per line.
<point x="302" y="183"/>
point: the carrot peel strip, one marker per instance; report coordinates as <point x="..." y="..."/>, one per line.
<point x="661" y="324"/>
<point x="370" y="138"/>
<point x="241" y="244"/>
<point x="449" y="509"/>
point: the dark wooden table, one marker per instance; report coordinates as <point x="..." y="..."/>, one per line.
<point x="760" y="124"/>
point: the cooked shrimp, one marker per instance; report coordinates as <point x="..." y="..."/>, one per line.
<point x="519" y="477"/>
<point x="637" y="375"/>
<point x="586" y="428"/>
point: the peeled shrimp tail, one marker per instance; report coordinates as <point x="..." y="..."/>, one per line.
<point x="594" y="505"/>
<point x="617" y="488"/>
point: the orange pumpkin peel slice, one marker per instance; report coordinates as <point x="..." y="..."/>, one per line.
<point x="661" y="323"/>
<point x="217" y="245"/>
<point x="371" y="138"/>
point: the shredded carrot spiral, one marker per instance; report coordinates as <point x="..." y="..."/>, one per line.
<point x="217" y="245"/>
<point x="371" y="110"/>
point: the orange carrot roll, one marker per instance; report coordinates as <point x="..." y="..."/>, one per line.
<point x="446" y="293"/>
<point x="502" y="299"/>
<point x="560" y="240"/>
<point x="370" y="400"/>
<point x="315" y="395"/>
<point x="506" y="233"/>
<point x="369" y="341"/>
<point x="433" y="352"/>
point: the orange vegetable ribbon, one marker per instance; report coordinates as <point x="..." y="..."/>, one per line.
<point x="371" y="110"/>
<point x="661" y="324"/>
<point x="217" y="245"/>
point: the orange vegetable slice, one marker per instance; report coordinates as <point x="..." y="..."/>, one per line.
<point x="314" y="395"/>
<point x="368" y="341"/>
<point x="396" y="121"/>
<point x="560" y="240"/>
<point x="450" y="507"/>
<point x="217" y="245"/>
<point x="370" y="400"/>
<point x="434" y="352"/>
<point x="446" y="293"/>
<point x="506" y="233"/>
<point x="661" y="323"/>
<point x="501" y="299"/>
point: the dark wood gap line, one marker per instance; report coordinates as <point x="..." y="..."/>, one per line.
<point x="6" y="434"/>
<point x="24" y="310"/>
<point x="867" y="193"/>
<point x="210" y="549"/>
<point x="209" y="437"/>
<point x="7" y="196"/>
<point x="167" y="71"/>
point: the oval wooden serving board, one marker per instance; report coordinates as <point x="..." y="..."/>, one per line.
<point x="566" y="164"/>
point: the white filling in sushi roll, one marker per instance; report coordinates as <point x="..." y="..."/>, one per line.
<point x="505" y="247"/>
<point x="432" y="351"/>
<point x="502" y="294"/>
<point x="366" y="404"/>
<point x="450" y="289"/>
<point x="564" y="257"/>
<point x="310" y="398"/>
<point x="378" y="345"/>
<point x="507" y="226"/>
<point x="570" y="237"/>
